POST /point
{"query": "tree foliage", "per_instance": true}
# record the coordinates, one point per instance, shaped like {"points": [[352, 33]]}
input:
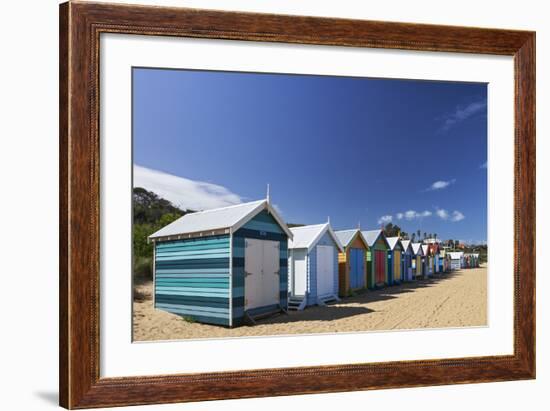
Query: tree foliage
{"points": [[393, 230], [150, 214]]}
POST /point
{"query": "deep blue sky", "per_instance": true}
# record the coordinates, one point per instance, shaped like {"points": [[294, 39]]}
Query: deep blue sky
{"points": [[356, 149]]}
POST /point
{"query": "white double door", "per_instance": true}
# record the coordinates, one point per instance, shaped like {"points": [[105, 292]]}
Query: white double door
{"points": [[261, 266]]}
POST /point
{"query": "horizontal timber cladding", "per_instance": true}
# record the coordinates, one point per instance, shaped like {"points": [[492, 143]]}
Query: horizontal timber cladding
{"points": [[263, 227], [192, 278]]}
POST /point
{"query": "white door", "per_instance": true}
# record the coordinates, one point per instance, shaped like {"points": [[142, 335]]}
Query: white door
{"points": [[299, 272], [253, 256], [261, 266], [325, 270]]}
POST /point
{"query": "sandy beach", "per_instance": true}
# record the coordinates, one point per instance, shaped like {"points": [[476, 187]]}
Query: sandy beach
{"points": [[457, 299]]}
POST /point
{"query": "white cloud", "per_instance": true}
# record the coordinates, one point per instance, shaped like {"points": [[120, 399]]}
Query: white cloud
{"points": [[385, 219], [414, 215], [457, 216], [411, 215], [182, 192], [445, 215], [462, 113], [440, 184]]}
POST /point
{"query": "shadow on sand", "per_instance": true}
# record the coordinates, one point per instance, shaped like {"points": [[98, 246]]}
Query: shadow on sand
{"points": [[355, 305]]}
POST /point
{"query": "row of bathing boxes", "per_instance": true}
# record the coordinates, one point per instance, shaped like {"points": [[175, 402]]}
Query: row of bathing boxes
{"points": [[233, 265]]}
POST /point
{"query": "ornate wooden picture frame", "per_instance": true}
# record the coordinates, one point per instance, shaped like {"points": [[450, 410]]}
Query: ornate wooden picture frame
{"points": [[80, 27]]}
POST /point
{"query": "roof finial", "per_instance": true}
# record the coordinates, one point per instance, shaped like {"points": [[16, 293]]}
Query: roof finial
{"points": [[268, 197], [359, 225], [328, 219]]}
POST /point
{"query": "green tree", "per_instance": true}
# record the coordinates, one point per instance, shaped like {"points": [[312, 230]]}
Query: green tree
{"points": [[151, 213], [392, 230]]}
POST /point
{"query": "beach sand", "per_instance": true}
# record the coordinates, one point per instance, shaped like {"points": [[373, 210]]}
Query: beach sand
{"points": [[457, 299]]}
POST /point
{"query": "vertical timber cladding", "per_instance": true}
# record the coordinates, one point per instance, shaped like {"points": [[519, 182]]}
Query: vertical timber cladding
{"points": [[396, 265], [323, 269], [370, 269], [381, 256], [380, 266], [262, 227], [192, 278], [357, 266]]}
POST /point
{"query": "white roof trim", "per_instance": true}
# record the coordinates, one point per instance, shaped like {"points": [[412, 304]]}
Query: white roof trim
{"points": [[183, 228], [330, 231], [264, 205], [350, 240], [418, 247], [456, 255], [333, 235], [325, 228], [370, 235], [395, 241], [405, 248]]}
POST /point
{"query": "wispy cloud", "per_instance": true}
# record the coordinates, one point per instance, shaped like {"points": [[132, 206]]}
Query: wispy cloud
{"points": [[461, 113], [440, 184], [183, 192], [455, 216], [441, 213], [413, 215], [385, 219]]}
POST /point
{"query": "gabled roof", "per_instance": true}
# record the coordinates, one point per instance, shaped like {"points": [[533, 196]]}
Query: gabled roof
{"points": [[425, 249], [393, 242], [372, 236], [208, 222], [346, 236], [405, 244], [456, 255], [417, 249], [308, 236]]}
